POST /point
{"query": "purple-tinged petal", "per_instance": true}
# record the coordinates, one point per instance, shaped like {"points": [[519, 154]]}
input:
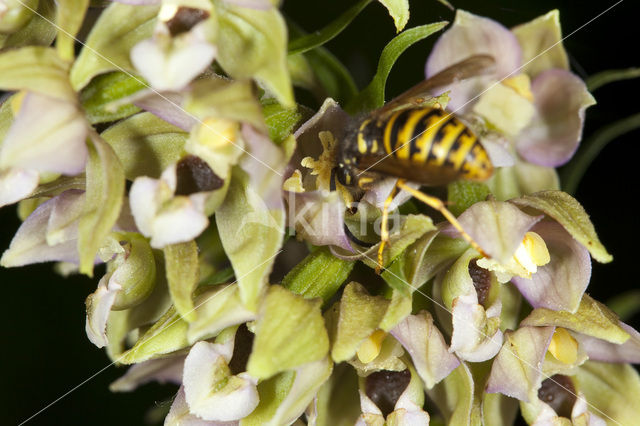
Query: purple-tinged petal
{"points": [[16, 184], [560, 284], [264, 175], [29, 245], [424, 342], [161, 370], [496, 226], [318, 217], [498, 151], [517, 370], [553, 136], [601, 350], [471, 35], [168, 106], [380, 191], [48, 135]]}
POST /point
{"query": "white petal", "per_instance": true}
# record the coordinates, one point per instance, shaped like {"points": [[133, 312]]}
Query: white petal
{"points": [[142, 199], [48, 135], [16, 184], [182, 221], [98, 308], [179, 415], [161, 370]]}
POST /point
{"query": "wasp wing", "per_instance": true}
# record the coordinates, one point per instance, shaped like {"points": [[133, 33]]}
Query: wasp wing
{"points": [[473, 66]]}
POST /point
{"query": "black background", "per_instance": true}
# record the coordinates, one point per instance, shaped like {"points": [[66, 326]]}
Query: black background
{"points": [[45, 352]]}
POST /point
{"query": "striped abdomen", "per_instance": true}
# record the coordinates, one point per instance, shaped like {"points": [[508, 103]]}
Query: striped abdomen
{"points": [[437, 145]]}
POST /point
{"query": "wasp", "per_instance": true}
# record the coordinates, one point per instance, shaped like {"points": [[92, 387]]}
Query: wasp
{"points": [[415, 143]]}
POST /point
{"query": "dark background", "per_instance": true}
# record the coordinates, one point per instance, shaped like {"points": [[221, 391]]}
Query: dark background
{"points": [[45, 352]]}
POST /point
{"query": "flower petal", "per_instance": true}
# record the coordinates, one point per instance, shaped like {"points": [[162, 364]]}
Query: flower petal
{"points": [[162, 370], [179, 414], [211, 391], [472, 35], [48, 135], [552, 137], [167, 106], [517, 369], [560, 284], [601, 350], [98, 308], [16, 184], [424, 342]]}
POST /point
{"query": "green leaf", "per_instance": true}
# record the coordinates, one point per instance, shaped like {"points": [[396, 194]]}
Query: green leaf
{"points": [[103, 91], [181, 262], [289, 333], [146, 144], [592, 318], [119, 28], [603, 78], [40, 31], [318, 38], [167, 335], [224, 99], [625, 305], [335, 79], [69, 17], [253, 43], [399, 11], [36, 69], [372, 96], [568, 212], [136, 272], [320, 274], [360, 315], [280, 120], [573, 172], [463, 194], [251, 236], [612, 391], [105, 189]]}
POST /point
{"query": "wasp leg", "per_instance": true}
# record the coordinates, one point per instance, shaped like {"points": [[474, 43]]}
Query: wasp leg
{"points": [[384, 226], [437, 204]]}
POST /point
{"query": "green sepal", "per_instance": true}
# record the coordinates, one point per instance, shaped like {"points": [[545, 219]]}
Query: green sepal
{"points": [[36, 69], [290, 332], [320, 274], [454, 396], [296, 391], [220, 98], [69, 18], [372, 96], [15, 15], [216, 309], [105, 187], [136, 271], [463, 194], [146, 144], [105, 89], [360, 315], [318, 38], [119, 28], [251, 236], [612, 391], [337, 402], [6, 117], [498, 409], [39, 31], [280, 120], [181, 263], [168, 334], [592, 318], [399, 11], [568, 212], [253, 44]]}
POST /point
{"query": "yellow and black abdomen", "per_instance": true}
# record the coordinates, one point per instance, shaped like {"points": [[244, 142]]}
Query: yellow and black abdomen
{"points": [[425, 145]]}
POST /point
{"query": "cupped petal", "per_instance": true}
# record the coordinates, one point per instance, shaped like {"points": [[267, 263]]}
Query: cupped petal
{"points": [[167, 106], [161, 370], [517, 369], [429, 352], [212, 393], [471, 35], [560, 284], [554, 133], [48, 135], [497, 227], [143, 202], [183, 219], [16, 184], [601, 350], [99, 306], [179, 414]]}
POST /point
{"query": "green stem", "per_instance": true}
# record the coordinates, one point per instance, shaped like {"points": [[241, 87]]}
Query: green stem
{"points": [[573, 173], [626, 305], [605, 77]]}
